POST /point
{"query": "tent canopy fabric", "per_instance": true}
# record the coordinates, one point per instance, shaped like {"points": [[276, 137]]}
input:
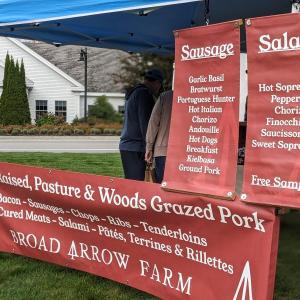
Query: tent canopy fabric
{"points": [[135, 26]]}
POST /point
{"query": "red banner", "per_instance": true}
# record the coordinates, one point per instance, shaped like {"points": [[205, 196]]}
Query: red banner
{"points": [[203, 142], [272, 166], [171, 245]]}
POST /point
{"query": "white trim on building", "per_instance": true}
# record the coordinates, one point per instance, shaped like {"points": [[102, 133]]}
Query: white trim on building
{"points": [[77, 85]]}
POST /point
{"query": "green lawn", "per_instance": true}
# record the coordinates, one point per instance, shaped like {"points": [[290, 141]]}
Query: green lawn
{"points": [[24, 278]]}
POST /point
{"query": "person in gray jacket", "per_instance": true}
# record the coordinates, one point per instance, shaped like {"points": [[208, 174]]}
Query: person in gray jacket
{"points": [[139, 103], [158, 134]]}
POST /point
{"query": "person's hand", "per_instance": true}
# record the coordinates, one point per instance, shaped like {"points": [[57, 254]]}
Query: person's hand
{"points": [[149, 156]]}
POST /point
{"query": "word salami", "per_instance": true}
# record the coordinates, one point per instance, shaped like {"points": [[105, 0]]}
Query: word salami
{"points": [[171, 245]]}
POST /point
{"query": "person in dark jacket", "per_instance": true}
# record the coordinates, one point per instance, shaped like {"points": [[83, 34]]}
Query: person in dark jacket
{"points": [[139, 103]]}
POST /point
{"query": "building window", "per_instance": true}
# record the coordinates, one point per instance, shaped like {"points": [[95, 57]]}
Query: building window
{"points": [[41, 108], [121, 109], [90, 107], [61, 109]]}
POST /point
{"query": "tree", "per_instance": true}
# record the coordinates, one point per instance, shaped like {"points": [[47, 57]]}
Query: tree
{"points": [[134, 66], [14, 106], [102, 109], [23, 92], [7, 63]]}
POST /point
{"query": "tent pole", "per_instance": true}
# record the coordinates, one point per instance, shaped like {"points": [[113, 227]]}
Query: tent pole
{"points": [[85, 86]]}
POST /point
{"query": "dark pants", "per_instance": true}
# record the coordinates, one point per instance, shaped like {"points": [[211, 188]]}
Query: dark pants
{"points": [[134, 164], [160, 162]]}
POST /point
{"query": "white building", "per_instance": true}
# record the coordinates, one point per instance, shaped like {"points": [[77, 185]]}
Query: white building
{"points": [[50, 89]]}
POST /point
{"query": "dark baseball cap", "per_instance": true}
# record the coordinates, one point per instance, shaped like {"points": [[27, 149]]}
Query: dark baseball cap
{"points": [[154, 74]]}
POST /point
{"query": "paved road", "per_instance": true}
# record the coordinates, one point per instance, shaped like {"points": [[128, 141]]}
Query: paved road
{"points": [[60, 144]]}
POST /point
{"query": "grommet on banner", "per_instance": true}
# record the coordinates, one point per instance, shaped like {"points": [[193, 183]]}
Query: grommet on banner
{"points": [[238, 23], [164, 184], [176, 34], [111, 179], [231, 195], [244, 196], [248, 22]]}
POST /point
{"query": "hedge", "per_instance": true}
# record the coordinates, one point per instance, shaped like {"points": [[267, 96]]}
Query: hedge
{"points": [[62, 130]]}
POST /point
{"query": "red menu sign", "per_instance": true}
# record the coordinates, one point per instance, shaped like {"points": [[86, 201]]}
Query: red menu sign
{"points": [[202, 149], [272, 166], [171, 245]]}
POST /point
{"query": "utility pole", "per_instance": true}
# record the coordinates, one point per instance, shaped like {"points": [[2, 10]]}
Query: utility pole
{"points": [[84, 57]]}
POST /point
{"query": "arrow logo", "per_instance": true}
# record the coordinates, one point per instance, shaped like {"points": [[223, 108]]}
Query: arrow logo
{"points": [[245, 281]]}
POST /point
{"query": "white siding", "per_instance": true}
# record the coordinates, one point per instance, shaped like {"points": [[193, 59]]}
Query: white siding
{"points": [[48, 84]]}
